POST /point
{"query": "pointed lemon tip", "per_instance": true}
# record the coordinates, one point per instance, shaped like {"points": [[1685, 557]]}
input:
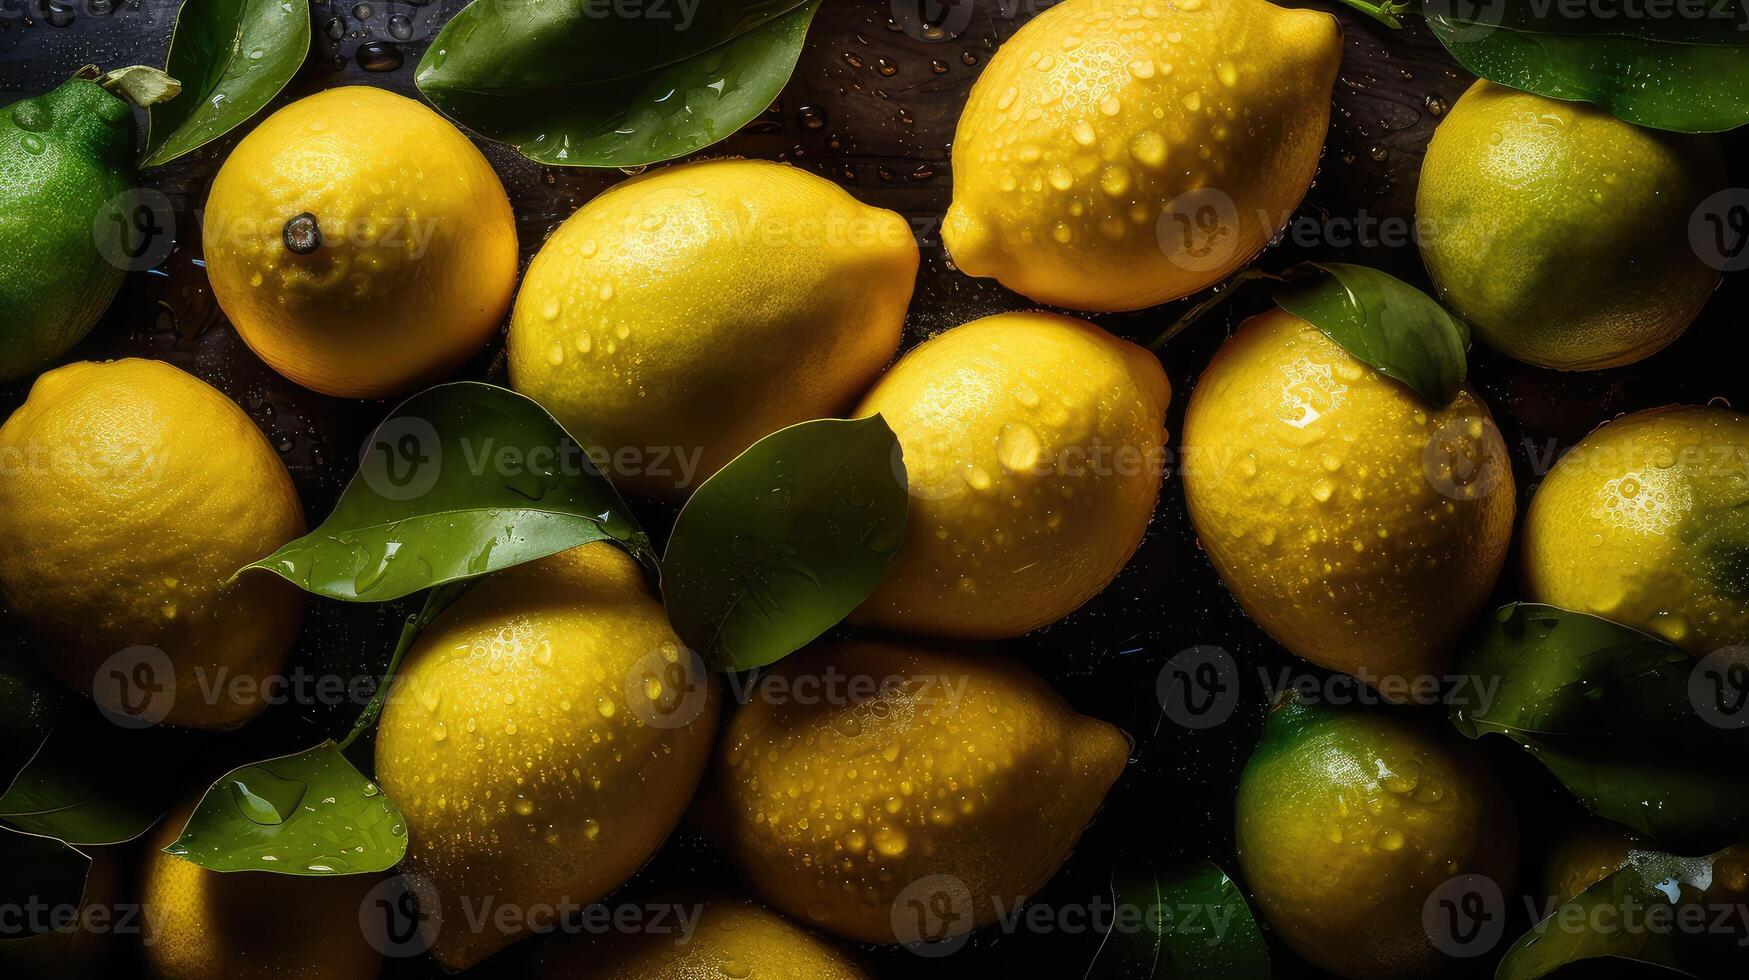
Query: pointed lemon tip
{"points": [[969, 242]]}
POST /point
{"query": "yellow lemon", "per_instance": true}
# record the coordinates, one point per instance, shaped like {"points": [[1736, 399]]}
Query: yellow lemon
{"points": [[543, 738], [249, 925], [1646, 523], [894, 794], [1349, 822], [725, 937], [1034, 446], [685, 314], [1559, 232], [130, 493], [1117, 154], [360, 244], [1360, 527]]}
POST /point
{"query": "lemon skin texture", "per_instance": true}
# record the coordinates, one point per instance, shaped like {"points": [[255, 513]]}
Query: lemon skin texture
{"points": [[130, 493], [417, 259], [1034, 448], [1559, 232], [541, 742], [732, 937], [687, 313], [1115, 154], [66, 156], [922, 763], [1348, 821], [249, 925], [1360, 527], [1646, 523]]}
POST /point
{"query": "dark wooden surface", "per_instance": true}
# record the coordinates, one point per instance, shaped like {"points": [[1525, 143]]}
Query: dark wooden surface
{"points": [[873, 105]]}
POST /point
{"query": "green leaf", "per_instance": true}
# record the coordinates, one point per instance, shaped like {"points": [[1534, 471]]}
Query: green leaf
{"points": [[28, 708], [92, 782], [231, 57], [781, 544], [1609, 711], [1683, 71], [461, 480], [1195, 926], [1386, 323], [306, 814], [40, 873], [1610, 919], [572, 83]]}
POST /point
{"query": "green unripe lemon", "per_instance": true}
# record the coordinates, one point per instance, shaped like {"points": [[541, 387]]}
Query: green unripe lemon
{"points": [[64, 159]]}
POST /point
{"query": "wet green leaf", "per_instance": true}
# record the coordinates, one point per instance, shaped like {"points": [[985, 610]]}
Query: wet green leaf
{"points": [[1195, 925], [94, 782], [305, 814], [1609, 711], [40, 873], [781, 544], [576, 84], [461, 480], [1616, 918], [1385, 323], [231, 57], [1687, 70]]}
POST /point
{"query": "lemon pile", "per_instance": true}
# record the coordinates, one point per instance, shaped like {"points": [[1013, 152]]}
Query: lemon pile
{"points": [[547, 733]]}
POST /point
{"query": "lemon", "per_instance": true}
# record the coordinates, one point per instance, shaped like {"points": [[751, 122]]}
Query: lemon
{"points": [[729, 937], [1348, 822], [864, 785], [1034, 448], [1360, 527], [685, 314], [1559, 232], [1117, 154], [543, 737], [1646, 523], [249, 925], [360, 244], [130, 493]]}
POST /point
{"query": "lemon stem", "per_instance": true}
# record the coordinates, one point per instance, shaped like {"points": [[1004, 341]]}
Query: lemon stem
{"points": [[303, 234], [1385, 13], [1216, 297], [139, 85]]}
